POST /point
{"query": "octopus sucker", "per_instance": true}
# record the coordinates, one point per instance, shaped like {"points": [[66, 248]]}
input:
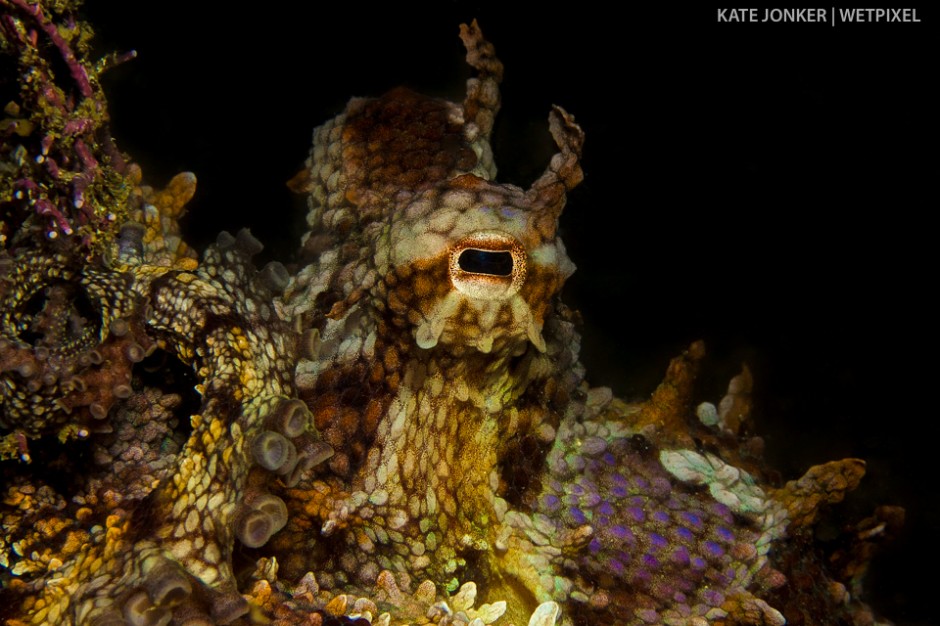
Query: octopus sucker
{"points": [[391, 428]]}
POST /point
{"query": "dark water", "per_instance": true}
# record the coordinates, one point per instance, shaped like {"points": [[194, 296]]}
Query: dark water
{"points": [[763, 187]]}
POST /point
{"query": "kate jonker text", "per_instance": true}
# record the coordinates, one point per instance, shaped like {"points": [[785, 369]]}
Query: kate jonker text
{"points": [[833, 16]]}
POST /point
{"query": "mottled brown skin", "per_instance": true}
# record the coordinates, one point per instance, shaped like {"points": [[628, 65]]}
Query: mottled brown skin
{"points": [[387, 164], [184, 525], [441, 388], [404, 419]]}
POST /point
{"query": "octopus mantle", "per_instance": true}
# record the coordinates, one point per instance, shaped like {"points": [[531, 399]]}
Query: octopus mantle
{"points": [[396, 429]]}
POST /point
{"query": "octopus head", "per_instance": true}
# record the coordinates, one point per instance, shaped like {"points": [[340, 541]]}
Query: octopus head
{"points": [[474, 265]]}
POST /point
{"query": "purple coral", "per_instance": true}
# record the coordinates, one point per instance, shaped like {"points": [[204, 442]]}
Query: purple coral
{"points": [[68, 172]]}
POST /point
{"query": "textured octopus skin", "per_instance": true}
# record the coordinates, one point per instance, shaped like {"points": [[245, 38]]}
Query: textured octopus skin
{"points": [[398, 429]]}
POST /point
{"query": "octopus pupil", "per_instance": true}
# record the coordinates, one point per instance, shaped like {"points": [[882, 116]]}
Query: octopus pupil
{"points": [[494, 263]]}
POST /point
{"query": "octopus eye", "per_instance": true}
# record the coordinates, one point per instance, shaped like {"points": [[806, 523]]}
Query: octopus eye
{"points": [[488, 265], [492, 262]]}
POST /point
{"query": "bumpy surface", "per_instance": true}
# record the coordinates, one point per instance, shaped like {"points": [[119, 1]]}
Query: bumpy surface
{"points": [[396, 431]]}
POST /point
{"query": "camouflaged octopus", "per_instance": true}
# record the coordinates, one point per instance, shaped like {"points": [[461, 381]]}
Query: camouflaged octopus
{"points": [[397, 432]]}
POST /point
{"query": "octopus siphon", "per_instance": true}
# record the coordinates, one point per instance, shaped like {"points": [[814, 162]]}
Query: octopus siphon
{"points": [[394, 428]]}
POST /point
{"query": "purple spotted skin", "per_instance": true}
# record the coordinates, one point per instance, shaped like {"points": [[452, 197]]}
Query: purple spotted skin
{"points": [[659, 547]]}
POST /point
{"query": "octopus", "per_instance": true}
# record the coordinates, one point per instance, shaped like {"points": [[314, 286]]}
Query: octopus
{"points": [[392, 429]]}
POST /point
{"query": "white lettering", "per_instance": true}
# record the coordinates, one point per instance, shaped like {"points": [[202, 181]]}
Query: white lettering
{"points": [[807, 15], [737, 15], [877, 16]]}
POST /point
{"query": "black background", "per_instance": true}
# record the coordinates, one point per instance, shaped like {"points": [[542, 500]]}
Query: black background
{"points": [[763, 187]]}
